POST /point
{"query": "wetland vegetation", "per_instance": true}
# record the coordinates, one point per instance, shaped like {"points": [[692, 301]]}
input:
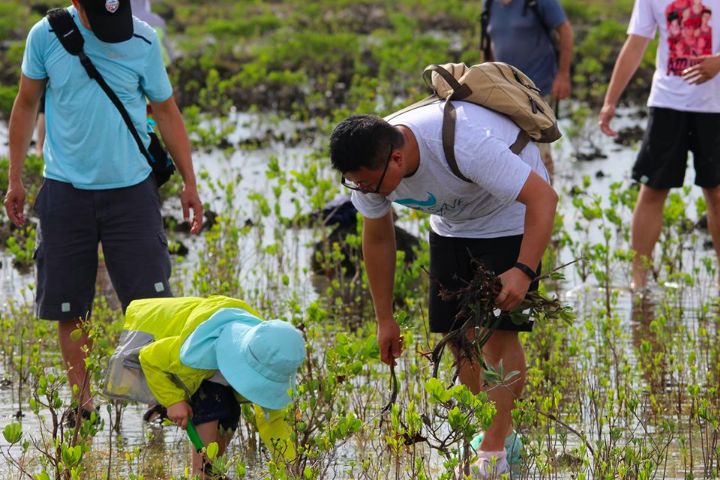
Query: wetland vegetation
{"points": [[629, 389]]}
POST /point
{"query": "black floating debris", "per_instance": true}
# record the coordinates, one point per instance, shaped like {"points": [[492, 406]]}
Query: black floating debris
{"points": [[177, 248], [630, 135], [575, 191], [593, 153], [172, 224]]}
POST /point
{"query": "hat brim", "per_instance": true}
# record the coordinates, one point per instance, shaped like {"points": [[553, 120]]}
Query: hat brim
{"points": [[112, 27], [257, 389]]}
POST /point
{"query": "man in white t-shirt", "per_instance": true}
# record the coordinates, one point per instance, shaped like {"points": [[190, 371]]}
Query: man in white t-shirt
{"points": [[684, 113], [503, 218]]}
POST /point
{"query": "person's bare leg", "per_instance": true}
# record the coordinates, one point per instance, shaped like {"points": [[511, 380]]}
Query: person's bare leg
{"points": [[506, 346], [74, 358], [712, 199], [224, 437], [646, 227], [208, 433]]}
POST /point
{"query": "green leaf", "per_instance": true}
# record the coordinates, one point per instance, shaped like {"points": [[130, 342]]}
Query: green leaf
{"points": [[212, 450], [71, 456], [12, 432], [76, 335]]}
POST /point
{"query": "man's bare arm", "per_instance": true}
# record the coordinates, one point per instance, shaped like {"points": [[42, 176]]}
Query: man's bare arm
{"points": [[172, 129], [22, 124]]}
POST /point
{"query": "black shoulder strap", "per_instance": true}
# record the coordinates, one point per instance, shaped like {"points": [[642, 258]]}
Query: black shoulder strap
{"points": [[448, 139], [535, 7], [67, 32], [485, 45], [70, 37]]}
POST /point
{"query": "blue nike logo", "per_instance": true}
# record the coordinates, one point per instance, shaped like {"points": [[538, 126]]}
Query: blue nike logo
{"points": [[411, 202]]}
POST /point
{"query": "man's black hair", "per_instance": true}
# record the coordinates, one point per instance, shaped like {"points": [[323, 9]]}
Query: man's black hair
{"points": [[362, 141]]}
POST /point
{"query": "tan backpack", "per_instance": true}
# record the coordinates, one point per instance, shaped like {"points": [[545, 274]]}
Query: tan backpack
{"points": [[493, 85]]}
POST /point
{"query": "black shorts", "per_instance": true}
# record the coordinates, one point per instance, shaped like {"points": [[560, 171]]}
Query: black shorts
{"points": [[215, 401], [126, 221], [670, 134], [450, 267]]}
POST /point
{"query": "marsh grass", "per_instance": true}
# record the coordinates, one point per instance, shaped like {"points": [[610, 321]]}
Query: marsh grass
{"points": [[628, 390]]}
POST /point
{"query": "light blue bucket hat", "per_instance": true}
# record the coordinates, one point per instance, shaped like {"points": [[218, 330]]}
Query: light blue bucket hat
{"points": [[261, 362], [259, 359]]}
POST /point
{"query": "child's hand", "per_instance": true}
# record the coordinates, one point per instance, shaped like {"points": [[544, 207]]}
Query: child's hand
{"points": [[179, 413]]}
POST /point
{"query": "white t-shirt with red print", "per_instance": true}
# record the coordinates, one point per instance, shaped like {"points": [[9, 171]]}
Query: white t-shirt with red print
{"points": [[689, 29]]}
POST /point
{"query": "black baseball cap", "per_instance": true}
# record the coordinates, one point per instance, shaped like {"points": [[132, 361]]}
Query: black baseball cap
{"points": [[111, 20]]}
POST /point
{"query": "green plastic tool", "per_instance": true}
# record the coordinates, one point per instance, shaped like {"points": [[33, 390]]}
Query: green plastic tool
{"points": [[194, 437]]}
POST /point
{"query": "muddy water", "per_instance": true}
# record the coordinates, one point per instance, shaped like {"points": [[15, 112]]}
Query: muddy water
{"points": [[249, 167]]}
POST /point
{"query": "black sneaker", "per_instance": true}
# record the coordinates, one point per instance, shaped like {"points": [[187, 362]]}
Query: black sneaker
{"points": [[155, 414], [71, 416]]}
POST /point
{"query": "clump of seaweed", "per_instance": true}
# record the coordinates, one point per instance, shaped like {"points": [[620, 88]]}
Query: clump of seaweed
{"points": [[478, 316]]}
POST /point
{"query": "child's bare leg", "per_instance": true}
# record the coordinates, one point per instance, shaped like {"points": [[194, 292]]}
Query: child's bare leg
{"points": [[224, 437], [208, 432]]}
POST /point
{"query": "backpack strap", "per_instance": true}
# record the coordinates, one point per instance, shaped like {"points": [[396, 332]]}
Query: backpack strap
{"points": [[72, 40], [485, 43], [535, 7], [425, 101], [520, 142], [460, 92], [448, 139]]}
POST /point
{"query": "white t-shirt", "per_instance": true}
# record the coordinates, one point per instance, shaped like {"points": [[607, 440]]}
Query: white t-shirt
{"points": [[686, 32], [486, 208]]}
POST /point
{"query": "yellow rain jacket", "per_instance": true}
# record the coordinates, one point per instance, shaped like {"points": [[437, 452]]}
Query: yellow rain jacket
{"points": [[146, 366]]}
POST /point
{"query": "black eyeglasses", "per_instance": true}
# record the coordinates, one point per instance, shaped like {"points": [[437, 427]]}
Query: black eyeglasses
{"points": [[360, 188]]}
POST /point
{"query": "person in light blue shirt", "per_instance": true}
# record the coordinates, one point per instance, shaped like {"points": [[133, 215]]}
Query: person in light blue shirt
{"points": [[81, 118], [536, 37], [98, 186]]}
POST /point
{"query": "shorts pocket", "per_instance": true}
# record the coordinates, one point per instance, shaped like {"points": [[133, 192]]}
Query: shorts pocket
{"points": [[37, 203], [36, 252], [163, 239]]}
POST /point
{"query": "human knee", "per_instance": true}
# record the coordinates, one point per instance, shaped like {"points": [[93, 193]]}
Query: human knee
{"points": [[502, 342], [652, 196], [712, 197]]}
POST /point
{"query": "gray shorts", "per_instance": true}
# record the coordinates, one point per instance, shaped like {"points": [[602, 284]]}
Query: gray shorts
{"points": [[73, 222]]}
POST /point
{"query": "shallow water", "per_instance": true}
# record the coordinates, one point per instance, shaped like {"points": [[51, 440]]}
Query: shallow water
{"points": [[249, 168]]}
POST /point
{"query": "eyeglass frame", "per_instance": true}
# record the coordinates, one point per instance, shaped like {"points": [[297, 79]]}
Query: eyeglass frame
{"points": [[357, 188]]}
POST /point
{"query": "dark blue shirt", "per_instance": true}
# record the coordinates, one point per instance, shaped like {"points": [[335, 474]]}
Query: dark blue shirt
{"points": [[521, 40]]}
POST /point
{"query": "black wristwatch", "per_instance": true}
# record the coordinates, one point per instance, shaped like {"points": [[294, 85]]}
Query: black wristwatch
{"points": [[526, 270]]}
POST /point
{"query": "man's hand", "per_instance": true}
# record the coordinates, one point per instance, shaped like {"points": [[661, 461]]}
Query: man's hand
{"points": [[561, 86], [606, 115], [390, 341], [15, 203], [179, 413], [515, 285], [190, 200], [707, 67]]}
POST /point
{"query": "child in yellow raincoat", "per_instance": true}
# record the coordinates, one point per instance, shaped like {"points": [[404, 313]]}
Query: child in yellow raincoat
{"points": [[200, 357]]}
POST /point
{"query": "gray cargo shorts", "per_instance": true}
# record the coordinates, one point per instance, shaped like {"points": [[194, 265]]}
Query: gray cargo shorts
{"points": [[128, 224]]}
